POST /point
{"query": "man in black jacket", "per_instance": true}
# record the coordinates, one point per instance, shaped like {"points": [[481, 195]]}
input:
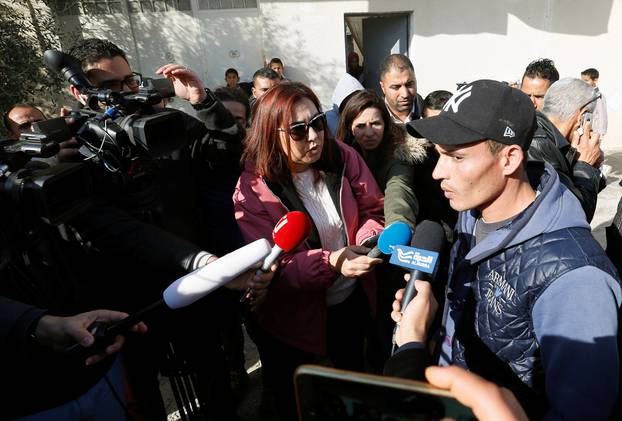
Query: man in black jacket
{"points": [[557, 141], [172, 209]]}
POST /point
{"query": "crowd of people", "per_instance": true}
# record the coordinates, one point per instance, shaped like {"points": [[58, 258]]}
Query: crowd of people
{"points": [[524, 298]]}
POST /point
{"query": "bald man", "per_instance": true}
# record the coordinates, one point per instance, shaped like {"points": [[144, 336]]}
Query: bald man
{"points": [[19, 119]]}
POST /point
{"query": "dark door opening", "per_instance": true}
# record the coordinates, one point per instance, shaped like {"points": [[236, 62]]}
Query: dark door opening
{"points": [[371, 37]]}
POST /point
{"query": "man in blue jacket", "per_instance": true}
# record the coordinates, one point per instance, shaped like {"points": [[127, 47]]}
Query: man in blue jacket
{"points": [[532, 301]]}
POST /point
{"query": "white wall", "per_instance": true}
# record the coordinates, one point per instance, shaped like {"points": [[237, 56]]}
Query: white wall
{"points": [[458, 41], [450, 41], [208, 42]]}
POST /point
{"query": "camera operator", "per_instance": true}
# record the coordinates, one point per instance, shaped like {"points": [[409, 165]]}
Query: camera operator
{"points": [[143, 255]]}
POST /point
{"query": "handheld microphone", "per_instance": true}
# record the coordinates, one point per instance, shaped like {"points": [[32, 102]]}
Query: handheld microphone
{"points": [[398, 233], [421, 258], [289, 232], [195, 285], [186, 290]]}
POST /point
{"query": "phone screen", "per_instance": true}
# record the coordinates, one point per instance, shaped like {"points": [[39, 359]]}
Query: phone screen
{"points": [[587, 118], [328, 394]]}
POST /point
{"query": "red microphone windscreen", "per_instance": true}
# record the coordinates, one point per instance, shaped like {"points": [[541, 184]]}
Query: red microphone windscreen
{"points": [[291, 230]]}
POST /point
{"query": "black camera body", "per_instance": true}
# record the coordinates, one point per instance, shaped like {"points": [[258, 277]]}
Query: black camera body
{"points": [[53, 193], [131, 129]]}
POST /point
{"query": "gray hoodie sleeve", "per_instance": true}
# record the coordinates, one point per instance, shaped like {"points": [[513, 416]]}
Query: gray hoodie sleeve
{"points": [[576, 323]]}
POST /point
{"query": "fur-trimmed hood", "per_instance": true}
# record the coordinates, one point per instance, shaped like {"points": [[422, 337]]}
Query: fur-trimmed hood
{"points": [[412, 150]]}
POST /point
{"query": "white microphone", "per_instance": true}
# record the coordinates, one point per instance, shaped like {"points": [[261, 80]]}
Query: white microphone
{"points": [[193, 286], [186, 290]]}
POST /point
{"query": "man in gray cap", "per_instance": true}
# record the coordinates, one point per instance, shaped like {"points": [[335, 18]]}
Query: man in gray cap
{"points": [[532, 301]]}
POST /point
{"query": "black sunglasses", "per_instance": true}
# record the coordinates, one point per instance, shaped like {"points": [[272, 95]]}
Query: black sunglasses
{"points": [[300, 131]]}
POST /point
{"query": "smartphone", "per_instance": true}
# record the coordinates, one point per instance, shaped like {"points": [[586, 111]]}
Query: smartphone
{"points": [[324, 394], [587, 118]]}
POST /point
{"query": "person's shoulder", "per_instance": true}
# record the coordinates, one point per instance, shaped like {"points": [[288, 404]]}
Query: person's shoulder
{"points": [[347, 152]]}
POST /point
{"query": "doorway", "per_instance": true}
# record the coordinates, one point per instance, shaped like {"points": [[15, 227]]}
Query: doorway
{"points": [[370, 38]]}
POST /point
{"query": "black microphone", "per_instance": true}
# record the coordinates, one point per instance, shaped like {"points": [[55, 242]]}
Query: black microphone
{"points": [[421, 258]]}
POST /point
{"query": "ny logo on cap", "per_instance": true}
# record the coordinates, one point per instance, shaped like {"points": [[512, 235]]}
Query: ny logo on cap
{"points": [[455, 101]]}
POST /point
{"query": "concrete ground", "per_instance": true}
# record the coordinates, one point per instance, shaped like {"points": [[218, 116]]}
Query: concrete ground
{"points": [[605, 210], [249, 406]]}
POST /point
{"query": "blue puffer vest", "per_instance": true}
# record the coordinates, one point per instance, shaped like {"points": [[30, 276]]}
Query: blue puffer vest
{"points": [[495, 331]]}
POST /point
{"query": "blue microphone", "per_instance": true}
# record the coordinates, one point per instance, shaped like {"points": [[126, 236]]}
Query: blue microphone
{"points": [[398, 233]]}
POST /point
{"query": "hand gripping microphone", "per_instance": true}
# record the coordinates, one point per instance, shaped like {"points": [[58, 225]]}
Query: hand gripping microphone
{"points": [[195, 285], [398, 233], [186, 290], [421, 257], [291, 230]]}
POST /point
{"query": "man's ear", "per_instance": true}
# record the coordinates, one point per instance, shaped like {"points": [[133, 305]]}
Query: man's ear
{"points": [[77, 95], [576, 122], [512, 158], [253, 91], [382, 87]]}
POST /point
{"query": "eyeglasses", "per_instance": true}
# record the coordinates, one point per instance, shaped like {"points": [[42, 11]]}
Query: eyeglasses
{"points": [[591, 100], [133, 81], [300, 131]]}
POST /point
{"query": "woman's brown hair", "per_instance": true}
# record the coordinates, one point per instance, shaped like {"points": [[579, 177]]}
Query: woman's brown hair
{"points": [[358, 103], [262, 146]]}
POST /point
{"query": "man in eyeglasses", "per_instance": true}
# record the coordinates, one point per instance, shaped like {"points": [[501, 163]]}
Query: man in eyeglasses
{"points": [[19, 119], [106, 67], [558, 141], [175, 192]]}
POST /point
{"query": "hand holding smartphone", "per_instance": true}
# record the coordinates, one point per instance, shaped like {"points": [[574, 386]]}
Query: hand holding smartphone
{"points": [[586, 124], [329, 394]]}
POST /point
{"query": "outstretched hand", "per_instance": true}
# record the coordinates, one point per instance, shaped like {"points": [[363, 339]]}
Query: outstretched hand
{"points": [[352, 261], [186, 83], [58, 333]]}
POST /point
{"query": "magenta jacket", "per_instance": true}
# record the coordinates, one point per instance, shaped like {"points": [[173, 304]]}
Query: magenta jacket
{"points": [[295, 308]]}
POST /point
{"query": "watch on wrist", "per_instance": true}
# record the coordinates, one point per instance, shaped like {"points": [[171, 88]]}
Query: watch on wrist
{"points": [[209, 100]]}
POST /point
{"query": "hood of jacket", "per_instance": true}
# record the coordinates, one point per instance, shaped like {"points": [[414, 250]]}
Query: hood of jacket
{"points": [[412, 150], [554, 208]]}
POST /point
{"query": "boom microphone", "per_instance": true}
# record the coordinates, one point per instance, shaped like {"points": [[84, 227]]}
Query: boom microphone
{"points": [[421, 257], [398, 233], [291, 230]]}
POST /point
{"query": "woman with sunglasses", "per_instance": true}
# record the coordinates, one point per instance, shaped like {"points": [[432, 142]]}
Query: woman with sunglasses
{"points": [[319, 301]]}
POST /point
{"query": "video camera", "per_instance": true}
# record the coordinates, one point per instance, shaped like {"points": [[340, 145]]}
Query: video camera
{"points": [[54, 193], [131, 131]]}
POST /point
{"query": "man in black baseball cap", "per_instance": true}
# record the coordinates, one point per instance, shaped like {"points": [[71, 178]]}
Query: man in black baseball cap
{"points": [[532, 299], [484, 109]]}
